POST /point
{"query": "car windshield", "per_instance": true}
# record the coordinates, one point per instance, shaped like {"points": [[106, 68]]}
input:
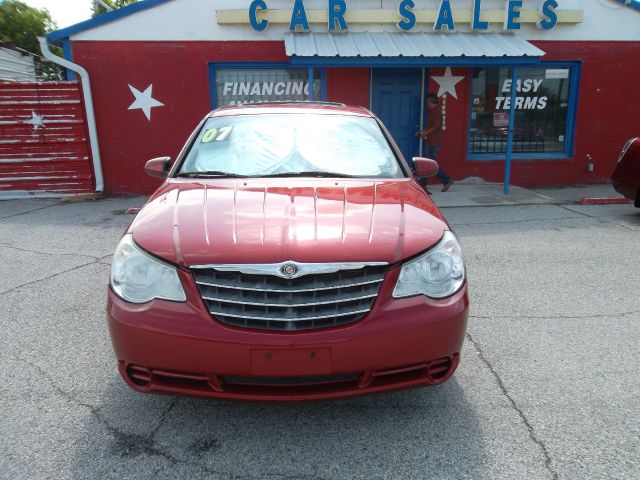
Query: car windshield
{"points": [[294, 144]]}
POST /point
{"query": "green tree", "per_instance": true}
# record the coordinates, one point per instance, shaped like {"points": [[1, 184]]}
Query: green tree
{"points": [[21, 24], [97, 9]]}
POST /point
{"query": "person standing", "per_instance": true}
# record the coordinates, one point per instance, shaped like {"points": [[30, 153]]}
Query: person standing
{"points": [[433, 136]]}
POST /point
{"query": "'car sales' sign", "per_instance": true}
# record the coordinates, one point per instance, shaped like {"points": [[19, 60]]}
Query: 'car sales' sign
{"points": [[337, 15]]}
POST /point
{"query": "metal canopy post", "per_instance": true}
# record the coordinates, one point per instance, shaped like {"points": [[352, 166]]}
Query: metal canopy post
{"points": [[512, 121], [311, 83]]}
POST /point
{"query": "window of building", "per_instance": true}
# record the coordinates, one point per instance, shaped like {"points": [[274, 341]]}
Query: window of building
{"points": [[234, 86], [543, 112]]}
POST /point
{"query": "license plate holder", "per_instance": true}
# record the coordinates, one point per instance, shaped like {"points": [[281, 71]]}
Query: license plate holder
{"points": [[285, 362]]}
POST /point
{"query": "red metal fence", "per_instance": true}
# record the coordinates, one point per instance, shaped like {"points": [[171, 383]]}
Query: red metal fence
{"points": [[44, 148]]}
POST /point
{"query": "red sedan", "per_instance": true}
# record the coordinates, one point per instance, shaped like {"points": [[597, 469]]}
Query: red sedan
{"points": [[289, 255], [626, 176]]}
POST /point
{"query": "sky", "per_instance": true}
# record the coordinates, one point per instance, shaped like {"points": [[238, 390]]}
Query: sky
{"points": [[64, 12]]}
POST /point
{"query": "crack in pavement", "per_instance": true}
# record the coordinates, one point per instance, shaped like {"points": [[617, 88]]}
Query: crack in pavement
{"points": [[33, 282], [34, 210], [132, 445], [125, 441], [517, 221], [558, 317], [164, 417], [51, 254], [601, 219], [532, 435]]}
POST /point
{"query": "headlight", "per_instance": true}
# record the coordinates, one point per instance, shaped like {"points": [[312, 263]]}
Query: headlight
{"points": [[138, 278], [439, 273]]}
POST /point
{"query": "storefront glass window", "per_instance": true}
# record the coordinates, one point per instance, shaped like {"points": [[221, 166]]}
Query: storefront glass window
{"points": [[541, 110], [236, 86]]}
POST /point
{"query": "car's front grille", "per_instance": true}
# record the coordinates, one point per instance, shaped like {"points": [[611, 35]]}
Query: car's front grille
{"points": [[274, 303]]}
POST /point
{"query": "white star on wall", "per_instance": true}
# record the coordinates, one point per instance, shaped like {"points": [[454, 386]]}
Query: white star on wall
{"points": [[144, 101], [448, 83], [36, 121]]}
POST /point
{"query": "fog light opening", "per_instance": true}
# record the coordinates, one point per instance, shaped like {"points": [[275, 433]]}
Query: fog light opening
{"points": [[139, 376], [441, 369]]}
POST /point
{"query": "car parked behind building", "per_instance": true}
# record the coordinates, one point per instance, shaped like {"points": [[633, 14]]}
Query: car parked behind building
{"points": [[626, 176]]}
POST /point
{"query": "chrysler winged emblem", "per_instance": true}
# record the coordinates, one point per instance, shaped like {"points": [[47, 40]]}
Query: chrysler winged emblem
{"points": [[289, 270]]}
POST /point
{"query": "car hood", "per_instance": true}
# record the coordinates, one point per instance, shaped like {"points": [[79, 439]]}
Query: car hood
{"points": [[270, 221]]}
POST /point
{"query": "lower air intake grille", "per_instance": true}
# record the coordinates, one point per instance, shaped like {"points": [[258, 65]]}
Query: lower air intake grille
{"points": [[273, 303]]}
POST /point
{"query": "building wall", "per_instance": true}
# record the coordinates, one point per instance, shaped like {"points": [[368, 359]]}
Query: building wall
{"points": [[608, 114], [179, 75], [607, 111], [196, 20], [349, 85]]}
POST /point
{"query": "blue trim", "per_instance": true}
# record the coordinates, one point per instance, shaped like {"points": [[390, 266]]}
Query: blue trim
{"points": [[574, 90], [68, 55], [517, 156], [102, 19], [251, 64], [212, 86], [634, 4], [323, 84], [413, 61], [572, 110], [512, 123], [311, 83]]}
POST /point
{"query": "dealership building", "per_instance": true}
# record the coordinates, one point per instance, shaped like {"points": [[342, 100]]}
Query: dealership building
{"points": [[158, 66]]}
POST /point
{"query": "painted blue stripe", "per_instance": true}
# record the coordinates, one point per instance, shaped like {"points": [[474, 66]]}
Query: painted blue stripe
{"points": [[572, 113], [323, 84], [512, 123], [311, 82], [102, 19], [499, 157], [412, 61], [68, 55], [212, 86], [635, 4]]}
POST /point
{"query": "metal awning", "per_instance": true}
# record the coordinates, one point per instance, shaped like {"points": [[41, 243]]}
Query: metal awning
{"points": [[396, 48]]}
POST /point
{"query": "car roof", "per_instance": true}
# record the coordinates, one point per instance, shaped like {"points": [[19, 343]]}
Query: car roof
{"points": [[322, 108]]}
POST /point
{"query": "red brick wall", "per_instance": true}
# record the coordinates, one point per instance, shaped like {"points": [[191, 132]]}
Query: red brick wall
{"points": [[179, 72], [608, 106], [453, 147], [608, 114], [349, 85]]}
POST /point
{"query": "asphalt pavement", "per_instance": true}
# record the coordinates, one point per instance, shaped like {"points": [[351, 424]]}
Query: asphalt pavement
{"points": [[548, 386]]}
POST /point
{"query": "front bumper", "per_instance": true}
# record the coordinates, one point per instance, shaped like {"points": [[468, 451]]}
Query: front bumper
{"points": [[178, 348]]}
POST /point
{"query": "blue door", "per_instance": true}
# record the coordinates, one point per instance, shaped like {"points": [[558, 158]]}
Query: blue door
{"points": [[396, 100]]}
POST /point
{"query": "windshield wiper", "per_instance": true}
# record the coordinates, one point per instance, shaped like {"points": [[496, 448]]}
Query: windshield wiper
{"points": [[318, 174], [210, 174]]}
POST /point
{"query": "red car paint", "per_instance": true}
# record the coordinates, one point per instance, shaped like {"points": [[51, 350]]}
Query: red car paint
{"points": [[309, 220], [626, 176], [174, 347]]}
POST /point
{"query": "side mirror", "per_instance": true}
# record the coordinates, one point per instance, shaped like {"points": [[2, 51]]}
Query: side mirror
{"points": [[158, 167], [425, 167]]}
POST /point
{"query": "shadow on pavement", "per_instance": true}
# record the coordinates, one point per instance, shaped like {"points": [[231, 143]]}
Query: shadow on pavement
{"points": [[416, 432]]}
